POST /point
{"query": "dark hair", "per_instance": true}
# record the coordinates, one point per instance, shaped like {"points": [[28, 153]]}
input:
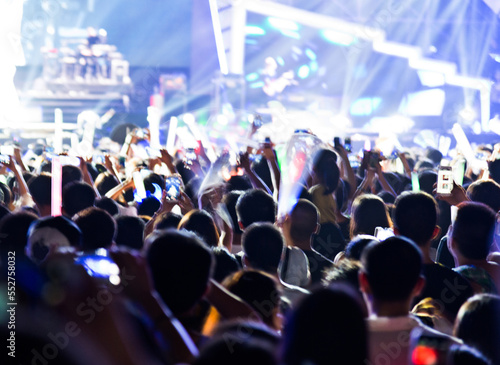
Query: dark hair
{"points": [[434, 155], [259, 290], [473, 230], [77, 196], [368, 212], [129, 231], [38, 250], [326, 169], [486, 192], [148, 206], [392, 268], [239, 183], [181, 266], [345, 272], [107, 204], [263, 245], [151, 179], [225, 263], [105, 182], [304, 219], [14, 232], [70, 174], [415, 216], [494, 170], [40, 188], [426, 180], [478, 325], [327, 327], [167, 220], [98, 228], [229, 201], [256, 206], [201, 223], [355, 248]]}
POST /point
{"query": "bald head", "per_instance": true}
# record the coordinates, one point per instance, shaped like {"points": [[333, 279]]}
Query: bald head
{"points": [[304, 219]]}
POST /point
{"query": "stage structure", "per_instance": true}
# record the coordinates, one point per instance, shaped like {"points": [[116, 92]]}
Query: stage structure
{"points": [[229, 19]]}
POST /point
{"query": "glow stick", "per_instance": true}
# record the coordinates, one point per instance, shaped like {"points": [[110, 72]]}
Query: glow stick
{"points": [[58, 131], [172, 127], [139, 185], [199, 136], [154, 117], [89, 120], [56, 189]]}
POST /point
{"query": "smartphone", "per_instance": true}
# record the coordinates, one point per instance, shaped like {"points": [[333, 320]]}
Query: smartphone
{"points": [[427, 348], [190, 154], [347, 144], [374, 159], [445, 180], [4, 159], [257, 121], [173, 187], [140, 133], [99, 265], [267, 142], [383, 233], [336, 142]]}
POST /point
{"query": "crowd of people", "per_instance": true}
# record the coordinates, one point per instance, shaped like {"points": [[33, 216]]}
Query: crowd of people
{"points": [[177, 258]]}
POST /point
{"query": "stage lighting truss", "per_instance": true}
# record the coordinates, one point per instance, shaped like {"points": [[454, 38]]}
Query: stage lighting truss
{"points": [[229, 23]]}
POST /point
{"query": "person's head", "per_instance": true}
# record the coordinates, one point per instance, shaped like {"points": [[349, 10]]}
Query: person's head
{"points": [[152, 179], [70, 174], [426, 180], [262, 244], [355, 247], [105, 182], [368, 212], [255, 206], [40, 188], [415, 216], [167, 220], [148, 206], [326, 327], [473, 230], [48, 234], [494, 170], [14, 232], [434, 155], [77, 196], [129, 231], [225, 263], [241, 183], [107, 204], [201, 223], [229, 201], [302, 222], [391, 270], [98, 228], [478, 325], [181, 266], [486, 192], [326, 170], [260, 291]]}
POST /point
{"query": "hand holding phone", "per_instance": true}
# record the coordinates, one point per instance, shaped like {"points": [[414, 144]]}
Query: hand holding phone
{"points": [[173, 187], [445, 180]]}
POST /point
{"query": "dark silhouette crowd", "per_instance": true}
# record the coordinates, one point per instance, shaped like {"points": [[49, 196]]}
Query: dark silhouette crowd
{"points": [[175, 259]]}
